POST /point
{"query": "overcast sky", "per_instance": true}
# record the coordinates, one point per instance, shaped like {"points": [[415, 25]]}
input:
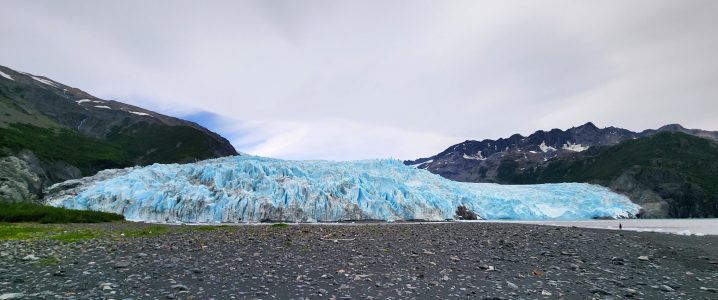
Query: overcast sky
{"points": [[369, 79]]}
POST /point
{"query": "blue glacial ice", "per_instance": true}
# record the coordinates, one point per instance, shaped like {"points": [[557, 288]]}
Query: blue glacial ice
{"points": [[252, 189]]}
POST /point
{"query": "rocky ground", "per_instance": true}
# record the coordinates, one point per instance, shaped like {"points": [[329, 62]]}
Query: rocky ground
{"points": [[380, 261]]}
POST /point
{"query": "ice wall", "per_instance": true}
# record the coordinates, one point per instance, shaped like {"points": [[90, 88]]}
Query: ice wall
{"points": [[251, 189]]}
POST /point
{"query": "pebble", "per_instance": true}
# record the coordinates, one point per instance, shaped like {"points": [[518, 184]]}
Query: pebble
{"points": [[376, 261], [30, 257], [666, 288], [121, 264], [597, 290], [11, 296]]}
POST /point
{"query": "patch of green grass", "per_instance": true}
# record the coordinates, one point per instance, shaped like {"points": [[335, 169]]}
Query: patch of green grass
{"points": [[21, 232], [31, 212], [208, 227], [151, 231], [122, 147], [280, 225], [71, 237], [49, 261]]}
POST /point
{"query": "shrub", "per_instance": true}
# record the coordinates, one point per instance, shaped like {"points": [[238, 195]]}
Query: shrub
{"points": [[31, 212]]}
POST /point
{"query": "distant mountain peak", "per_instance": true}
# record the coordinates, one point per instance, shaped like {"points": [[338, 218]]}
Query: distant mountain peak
{"points": [[672, 127], [458, 161], [588, 125]]}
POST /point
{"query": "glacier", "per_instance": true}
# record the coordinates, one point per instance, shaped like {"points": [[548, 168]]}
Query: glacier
{"points": [[253, 189]]}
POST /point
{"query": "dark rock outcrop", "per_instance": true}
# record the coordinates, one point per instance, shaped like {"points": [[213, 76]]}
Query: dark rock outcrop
{"points": [[24, 176], [463, 213]]}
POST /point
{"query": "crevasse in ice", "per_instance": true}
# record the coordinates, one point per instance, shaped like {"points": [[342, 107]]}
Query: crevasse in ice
{"points": [[251, 189]]}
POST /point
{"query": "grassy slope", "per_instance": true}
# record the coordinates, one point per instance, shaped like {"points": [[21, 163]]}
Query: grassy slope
{"points": [[153, 143], [687, 157], [88, 154], [140, 144], [23, 125], [30, 212]]}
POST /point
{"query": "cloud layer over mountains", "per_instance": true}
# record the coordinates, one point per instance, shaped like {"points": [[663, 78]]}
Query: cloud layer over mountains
{"points": [[362, 79]]}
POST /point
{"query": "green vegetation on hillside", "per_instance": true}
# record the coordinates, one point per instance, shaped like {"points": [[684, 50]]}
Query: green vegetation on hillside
{"points": [[678, 166], [691, 158], [31, 212], [154, 143], [51, 133], [139, 144], [88, 154], [11, 112]]}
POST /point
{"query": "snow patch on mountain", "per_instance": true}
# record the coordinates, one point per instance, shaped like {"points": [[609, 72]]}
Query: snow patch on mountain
{"points": [[478, 156], [545, 148], [3, 74], [421, 163], [103, 106], [574, 147], [252, 189], [83, 101], [46, 81], [139, 113]]}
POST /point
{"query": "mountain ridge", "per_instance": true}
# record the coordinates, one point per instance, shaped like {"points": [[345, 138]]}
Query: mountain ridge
{"points": [[50, 131], [537, 147], [520, 160], [97, 127]]}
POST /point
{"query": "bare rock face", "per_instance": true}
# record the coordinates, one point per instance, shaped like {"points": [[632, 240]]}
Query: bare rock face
{"points": [[24, 176], [652, 205], [18, 179]]}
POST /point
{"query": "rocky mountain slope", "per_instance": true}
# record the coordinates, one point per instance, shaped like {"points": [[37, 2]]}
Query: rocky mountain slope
{"points": [[520, 160], [51, 132]]}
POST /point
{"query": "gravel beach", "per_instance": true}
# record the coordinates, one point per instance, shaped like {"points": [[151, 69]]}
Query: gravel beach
{"points": [[367, 261]]}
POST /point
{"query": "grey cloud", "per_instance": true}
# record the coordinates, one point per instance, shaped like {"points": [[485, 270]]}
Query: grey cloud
{"points": [[360, 79]]}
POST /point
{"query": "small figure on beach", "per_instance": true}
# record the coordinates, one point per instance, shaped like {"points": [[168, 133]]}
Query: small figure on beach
{"points": [[620, 226]]}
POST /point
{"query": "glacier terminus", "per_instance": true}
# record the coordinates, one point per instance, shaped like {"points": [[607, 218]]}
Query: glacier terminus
{"points": [[253, 189]]}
